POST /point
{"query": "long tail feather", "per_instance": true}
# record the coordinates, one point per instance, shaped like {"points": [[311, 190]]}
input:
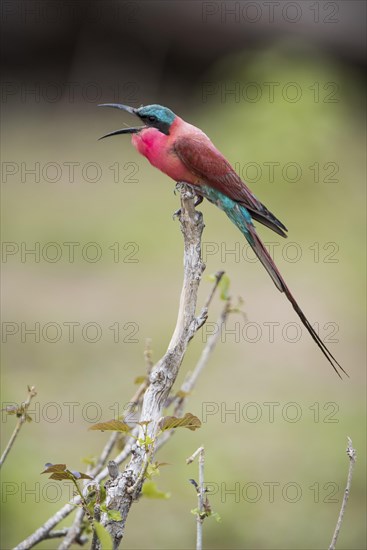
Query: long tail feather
{"points": [[240, 216], [273, 271]]}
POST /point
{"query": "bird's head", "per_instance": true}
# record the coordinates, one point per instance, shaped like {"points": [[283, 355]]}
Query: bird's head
{"points": [[152, 116]]}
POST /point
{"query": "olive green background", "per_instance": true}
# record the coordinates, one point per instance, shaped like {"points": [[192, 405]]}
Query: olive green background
{"points": [[299, 451]]}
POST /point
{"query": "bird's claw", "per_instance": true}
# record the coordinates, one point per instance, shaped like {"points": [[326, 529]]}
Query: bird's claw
{"points": [[178, 186], [199, 199]]}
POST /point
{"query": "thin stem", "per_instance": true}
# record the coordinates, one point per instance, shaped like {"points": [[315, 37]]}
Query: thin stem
{"points": [[352, 454], [200, 489], [24, 407]]}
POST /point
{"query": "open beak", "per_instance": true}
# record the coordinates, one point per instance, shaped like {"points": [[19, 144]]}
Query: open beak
{"points": [[131, 110]]}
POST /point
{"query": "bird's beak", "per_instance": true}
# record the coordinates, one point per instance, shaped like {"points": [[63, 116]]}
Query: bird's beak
{"points": [[131, 110]]}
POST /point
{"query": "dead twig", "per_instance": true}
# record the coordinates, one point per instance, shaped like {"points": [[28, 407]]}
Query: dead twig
{"points": [[352, 454]]}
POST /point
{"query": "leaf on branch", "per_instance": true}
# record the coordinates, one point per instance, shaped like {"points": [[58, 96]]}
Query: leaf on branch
{"points": [[188, 421], [18, 411], [153, 469], [90, 460], [140, 379], [150, 490], [206, 514], [92, 493], [79, 475], [103, 535], [114, 515], [111, 425], [60, 472], [223, 285], [53, 468], [145, 440]]}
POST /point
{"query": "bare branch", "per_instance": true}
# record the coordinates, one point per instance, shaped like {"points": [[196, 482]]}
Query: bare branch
{"points": [[74, 531], [190, 382], [63, 532], [200, 490], [164, 373], [218, 278], [352, 454], [22, 411]]}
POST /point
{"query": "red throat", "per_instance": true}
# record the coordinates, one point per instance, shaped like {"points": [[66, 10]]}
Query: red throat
{"points": [[158, 149]]}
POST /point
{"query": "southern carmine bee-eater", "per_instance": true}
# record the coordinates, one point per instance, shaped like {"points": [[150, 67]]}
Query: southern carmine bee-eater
{"points": [[186, 154]]}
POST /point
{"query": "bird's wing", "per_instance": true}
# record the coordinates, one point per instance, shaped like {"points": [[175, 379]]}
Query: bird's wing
{"points": [[202, 158]]}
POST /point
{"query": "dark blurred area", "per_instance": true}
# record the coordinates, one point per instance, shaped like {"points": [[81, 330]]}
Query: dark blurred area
{"points": [[152, 49], [279, 86]]}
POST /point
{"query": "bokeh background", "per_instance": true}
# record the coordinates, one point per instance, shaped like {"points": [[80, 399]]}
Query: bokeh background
{"points": [[279, 88]]}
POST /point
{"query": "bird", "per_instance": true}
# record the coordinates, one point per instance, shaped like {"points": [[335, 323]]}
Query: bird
{"points": [[186, 154]]}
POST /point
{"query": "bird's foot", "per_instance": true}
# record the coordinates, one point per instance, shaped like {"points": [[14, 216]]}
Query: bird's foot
{"points": [[179, 185], [199, 199]]}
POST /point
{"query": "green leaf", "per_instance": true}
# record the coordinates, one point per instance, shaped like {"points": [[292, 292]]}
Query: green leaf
{"points": [[111, 425], [224, 285], [90, 460], [152, 470], [214, 515], [102, 492], [217, 517], [145, 442], [150, 490], [115, 515], [140, 379], [18, 411], [104, 537], [188, 421]]}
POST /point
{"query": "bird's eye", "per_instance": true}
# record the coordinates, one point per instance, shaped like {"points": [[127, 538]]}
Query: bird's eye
{"points": [[152, 118]]}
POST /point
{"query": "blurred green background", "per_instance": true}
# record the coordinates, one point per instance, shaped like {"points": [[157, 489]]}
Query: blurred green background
{"points": [[311, 130]]}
